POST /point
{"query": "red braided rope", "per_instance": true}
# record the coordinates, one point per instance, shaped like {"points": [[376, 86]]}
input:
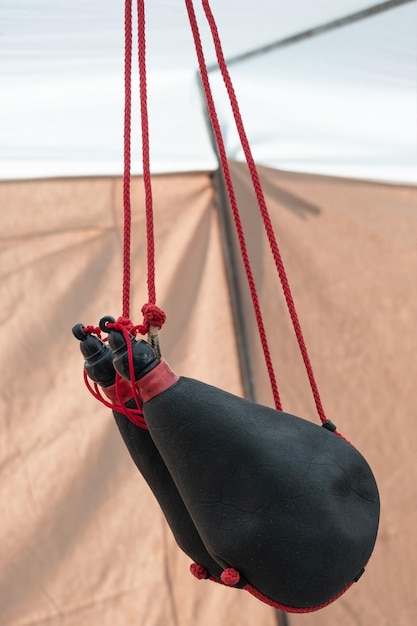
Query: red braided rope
{"points": [[127, 213], [146, 153], [262, 204], [263, 208], [153, 316], [233, 202], [150, 310]]}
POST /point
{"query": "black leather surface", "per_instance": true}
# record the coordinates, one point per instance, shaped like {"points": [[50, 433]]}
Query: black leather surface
{"points": [[289, 504], [149, 462]]}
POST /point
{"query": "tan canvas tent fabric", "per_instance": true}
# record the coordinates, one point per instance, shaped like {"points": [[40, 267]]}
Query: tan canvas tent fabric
{"points": [[83, 541], [350, 250]]}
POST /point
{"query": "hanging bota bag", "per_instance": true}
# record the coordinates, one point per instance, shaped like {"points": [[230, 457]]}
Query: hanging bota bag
{"points": [[98, 366], [288, 509]]}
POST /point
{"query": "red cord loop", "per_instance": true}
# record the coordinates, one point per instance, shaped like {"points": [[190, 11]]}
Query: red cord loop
{"points": [[124, 325], [92, 330], [134, 415]]}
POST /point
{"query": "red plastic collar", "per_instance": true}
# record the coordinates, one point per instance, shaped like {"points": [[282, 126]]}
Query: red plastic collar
{"points": [[156, 381]]}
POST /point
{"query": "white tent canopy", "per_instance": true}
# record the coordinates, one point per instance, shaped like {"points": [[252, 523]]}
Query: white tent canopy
{"points": [[341, 103]]}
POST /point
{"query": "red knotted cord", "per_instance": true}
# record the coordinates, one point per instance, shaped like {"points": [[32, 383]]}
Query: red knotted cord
{"points": [[135, 415], [254, 176], [153, 316]]}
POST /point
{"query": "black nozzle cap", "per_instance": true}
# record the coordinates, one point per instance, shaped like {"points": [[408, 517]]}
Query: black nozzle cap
{"points": [[98, 362], [144, 357], [116, 338]]}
